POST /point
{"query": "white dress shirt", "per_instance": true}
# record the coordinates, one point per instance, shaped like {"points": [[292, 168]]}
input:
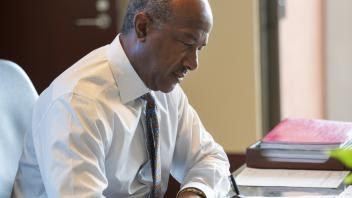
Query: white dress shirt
{"points": [[87, 137]]}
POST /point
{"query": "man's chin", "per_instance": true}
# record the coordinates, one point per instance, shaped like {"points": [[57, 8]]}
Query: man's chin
{"points": [[167, 89]]}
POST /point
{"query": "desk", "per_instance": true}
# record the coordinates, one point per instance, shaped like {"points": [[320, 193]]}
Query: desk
{"points": [[285, 191]]}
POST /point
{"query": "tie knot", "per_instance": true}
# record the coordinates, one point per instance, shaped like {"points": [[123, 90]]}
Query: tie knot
{"points": [[149, 98]]}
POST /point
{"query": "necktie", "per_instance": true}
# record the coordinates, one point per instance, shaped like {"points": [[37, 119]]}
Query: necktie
{"points": [[152, 136]]}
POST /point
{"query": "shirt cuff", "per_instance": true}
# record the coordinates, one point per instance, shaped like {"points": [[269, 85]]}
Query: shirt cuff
{"points": [[206, 189]]}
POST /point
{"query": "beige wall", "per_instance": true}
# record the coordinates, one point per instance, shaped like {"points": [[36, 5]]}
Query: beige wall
{"points": [[121, 10], [225, 88], [338, 57], [301, 60]]}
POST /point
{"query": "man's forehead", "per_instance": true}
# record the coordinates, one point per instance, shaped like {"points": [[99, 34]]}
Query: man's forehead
{"points": [[200, 8], [192, 14], [191, 29], [188, 2], [200, 37], [195, 35], [189, 35]]}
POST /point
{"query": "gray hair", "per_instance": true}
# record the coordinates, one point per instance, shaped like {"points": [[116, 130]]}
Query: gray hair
{"points": [[159, 10]]}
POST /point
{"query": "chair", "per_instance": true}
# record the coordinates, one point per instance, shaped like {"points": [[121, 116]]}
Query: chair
{"points": [[17, 97]]}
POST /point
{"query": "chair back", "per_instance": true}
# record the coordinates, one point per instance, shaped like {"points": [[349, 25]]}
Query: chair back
{"points": [[17, 98]]}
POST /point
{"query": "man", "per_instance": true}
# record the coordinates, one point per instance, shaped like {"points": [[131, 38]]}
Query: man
{"points": [[117, 123]]}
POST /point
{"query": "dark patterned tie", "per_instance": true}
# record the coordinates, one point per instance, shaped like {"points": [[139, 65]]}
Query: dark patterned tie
{"points": [[152, 135]]}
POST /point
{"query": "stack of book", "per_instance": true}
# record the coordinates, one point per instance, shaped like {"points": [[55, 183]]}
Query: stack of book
{"points": [[301, 144]]}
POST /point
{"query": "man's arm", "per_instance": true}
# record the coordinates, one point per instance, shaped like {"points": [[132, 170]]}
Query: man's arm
{"points": [[199, 161], [70, 144]]}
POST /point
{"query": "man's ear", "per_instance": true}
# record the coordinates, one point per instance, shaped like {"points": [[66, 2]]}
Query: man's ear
{"points": [[142, 25]]}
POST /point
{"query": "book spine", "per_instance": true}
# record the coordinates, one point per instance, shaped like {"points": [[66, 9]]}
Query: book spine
{"points": [[255, 159]]}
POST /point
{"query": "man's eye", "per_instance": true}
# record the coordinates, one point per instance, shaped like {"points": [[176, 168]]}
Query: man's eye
{"points": [[187, 44]]}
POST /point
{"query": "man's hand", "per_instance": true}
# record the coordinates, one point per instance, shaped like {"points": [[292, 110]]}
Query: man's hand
{"points": [[188, 195]]}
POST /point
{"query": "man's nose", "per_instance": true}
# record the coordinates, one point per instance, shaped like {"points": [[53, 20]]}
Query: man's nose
{"points": [[191, 60]]}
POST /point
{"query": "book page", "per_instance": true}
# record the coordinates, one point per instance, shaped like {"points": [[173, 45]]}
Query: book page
{"points": [[290, 178]]}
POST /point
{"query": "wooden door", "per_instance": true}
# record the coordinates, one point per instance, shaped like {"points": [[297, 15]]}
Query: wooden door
{"points": [[45, 37]]}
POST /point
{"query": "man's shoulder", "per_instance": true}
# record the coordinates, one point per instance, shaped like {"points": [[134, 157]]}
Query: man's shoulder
{"points": [[88, 77]]}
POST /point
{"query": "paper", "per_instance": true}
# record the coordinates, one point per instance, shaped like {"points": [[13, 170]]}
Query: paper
{"points": [[347, 193], [318, 196], [290, 178]]}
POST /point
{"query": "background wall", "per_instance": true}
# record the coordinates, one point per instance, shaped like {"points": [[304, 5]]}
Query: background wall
{"points": [[338, 40], [225, 89], [301, 59]]}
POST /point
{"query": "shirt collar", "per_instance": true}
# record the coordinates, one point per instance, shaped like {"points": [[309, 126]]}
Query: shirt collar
{"points": [[130, 84]]}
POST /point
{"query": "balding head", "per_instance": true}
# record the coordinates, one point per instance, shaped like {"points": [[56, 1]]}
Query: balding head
{"points": [[162, 39], [160, 10]]}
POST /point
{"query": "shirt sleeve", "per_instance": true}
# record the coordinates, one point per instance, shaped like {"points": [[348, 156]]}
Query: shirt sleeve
{"points": [[70, 144], [198, 160]]}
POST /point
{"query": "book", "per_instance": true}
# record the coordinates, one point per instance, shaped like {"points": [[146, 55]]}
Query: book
{"points": [[308, 134], [295, 153], [257, 157], [301, 144]]}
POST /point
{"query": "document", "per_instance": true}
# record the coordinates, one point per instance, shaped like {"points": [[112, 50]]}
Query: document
{"points": [[322, 196], [290, 178], [347, 193]]}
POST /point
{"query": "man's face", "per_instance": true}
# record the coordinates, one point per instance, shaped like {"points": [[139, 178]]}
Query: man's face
{"points": [[172, 49]]}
